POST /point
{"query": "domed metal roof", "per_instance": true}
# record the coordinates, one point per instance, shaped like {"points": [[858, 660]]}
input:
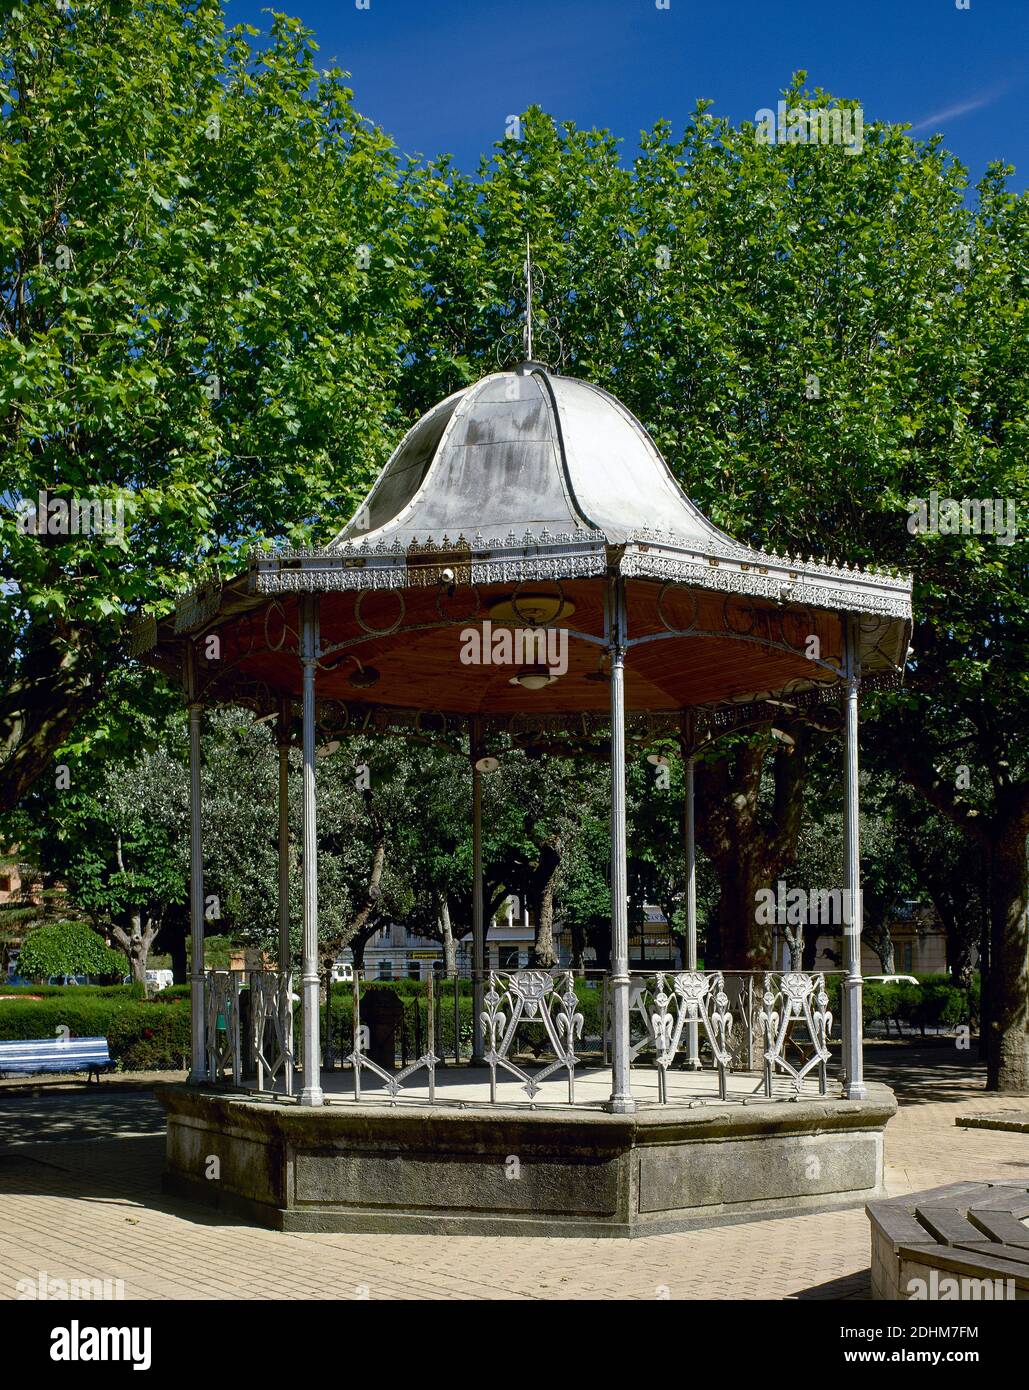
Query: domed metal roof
{"points": [[527, 476], [526, 449], [528, 481]]}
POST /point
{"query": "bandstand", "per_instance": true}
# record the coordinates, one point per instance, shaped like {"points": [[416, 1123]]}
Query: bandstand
{"points": [[536, 503]]}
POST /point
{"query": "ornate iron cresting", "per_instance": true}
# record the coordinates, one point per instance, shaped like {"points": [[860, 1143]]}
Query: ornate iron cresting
{"points": [[794, 998], [271, 1022], [223, 1050], [531, 997], [692, 996]]}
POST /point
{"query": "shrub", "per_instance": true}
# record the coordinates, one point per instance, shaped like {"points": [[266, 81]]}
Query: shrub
{"points": [[67, 948], [69, 991], [142, 1035], [171, 993]]}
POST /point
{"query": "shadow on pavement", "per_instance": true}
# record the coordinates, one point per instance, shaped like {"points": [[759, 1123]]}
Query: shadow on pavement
{"points": [[933, 1073]]}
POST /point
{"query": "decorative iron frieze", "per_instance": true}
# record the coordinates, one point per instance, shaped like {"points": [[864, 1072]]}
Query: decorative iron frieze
{"points": [[271, 1024], [531, 997], [889, 597], [692, 997], [788, 999]]}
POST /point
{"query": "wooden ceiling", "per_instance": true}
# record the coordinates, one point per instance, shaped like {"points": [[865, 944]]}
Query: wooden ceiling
{"points": [[737, 646]]}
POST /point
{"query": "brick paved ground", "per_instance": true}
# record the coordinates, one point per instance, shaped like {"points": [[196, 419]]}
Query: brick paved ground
{"points": [[79, 1203]]}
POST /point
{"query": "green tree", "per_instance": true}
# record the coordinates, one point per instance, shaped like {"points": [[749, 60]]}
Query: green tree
{"points": [[67, 948], [114, 839], [814, 340], [202, 283]]}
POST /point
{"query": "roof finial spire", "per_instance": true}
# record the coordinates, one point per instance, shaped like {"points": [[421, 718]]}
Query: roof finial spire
{"points": [[527, 332]]}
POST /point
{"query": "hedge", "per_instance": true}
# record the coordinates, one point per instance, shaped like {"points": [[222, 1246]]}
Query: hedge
{"points": [[935, 1002], [143, 1035], [170, 993], [64, 991]]}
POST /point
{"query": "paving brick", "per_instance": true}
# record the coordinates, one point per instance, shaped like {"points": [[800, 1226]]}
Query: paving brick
{"points": [[92, 1208]]}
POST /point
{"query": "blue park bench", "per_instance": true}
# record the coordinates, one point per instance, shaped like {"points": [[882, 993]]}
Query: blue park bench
{"points": [[32, 1055]]}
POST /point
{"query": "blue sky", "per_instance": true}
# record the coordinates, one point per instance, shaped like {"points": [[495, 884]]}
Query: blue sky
{"points": [[443, 75]]}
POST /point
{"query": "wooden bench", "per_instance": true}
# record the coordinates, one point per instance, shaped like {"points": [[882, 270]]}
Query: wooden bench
{"points": [[952, 1242], [32, 1055]]}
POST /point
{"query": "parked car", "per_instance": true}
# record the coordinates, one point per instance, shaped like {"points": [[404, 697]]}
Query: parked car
{"points": [[68, 980], [891, 979], [159, 979]]}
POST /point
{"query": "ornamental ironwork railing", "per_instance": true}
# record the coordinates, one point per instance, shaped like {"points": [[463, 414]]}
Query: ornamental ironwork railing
{"points": [[223, 1032], [787, 1000], [394, 1081], [674, 1002], [271, 1028], [519, 998]]}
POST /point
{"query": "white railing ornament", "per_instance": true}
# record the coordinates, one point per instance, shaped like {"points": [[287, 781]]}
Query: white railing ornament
{"points": [[530, 996], [788, 999]]}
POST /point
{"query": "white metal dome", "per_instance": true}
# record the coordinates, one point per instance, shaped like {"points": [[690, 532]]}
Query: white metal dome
{"points": [[527, 449]]}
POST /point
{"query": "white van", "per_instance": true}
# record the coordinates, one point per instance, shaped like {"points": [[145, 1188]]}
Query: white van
{"points": [[159, 979]]}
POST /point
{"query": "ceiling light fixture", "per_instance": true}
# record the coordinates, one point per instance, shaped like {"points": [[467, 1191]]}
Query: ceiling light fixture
{"points": [[533, 677], [364, 676], [531, 610]]}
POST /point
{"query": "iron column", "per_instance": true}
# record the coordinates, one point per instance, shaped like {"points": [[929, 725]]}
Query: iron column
{"points": [[285, 984], [478, 936], [621, 1102], [311, 1093], [692, 1027], [854, 1084], [283, 744], [197, 978]]}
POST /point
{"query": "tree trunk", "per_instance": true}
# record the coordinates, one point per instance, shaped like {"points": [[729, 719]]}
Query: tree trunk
{"points": [[1005, 1003], [744, 943], [881, 942], [543, 954], [136, 944], [747, 852], [984, 956], [600, 939], [1007, 1047], [959, 954], [177, 951], [809, 951], [447, 937], [794, 937]]}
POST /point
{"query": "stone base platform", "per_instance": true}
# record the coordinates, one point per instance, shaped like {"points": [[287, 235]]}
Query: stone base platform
{"points": [[548, 1171]]}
